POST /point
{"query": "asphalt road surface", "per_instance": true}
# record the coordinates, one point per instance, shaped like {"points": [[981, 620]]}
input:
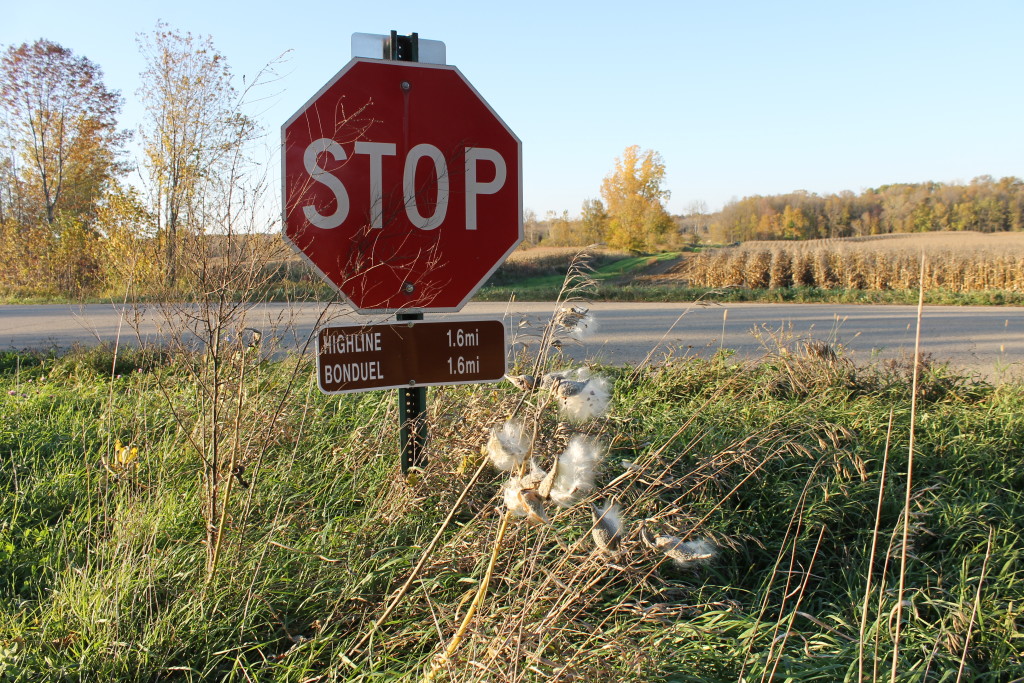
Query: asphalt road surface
{"points": [[987, 341]]}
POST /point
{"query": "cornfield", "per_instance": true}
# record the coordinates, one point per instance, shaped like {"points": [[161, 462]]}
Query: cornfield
{"points": [[957, 261]]}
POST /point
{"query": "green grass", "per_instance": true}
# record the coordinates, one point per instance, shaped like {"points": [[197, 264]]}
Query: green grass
{"points": [[549, 279], [779, 462]]}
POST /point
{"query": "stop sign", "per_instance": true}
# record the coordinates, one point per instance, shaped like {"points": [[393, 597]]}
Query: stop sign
{"points": [[402, 187]]}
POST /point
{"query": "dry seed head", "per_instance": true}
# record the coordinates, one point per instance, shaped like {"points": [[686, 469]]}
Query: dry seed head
{"points": [[577, 467], [686, 553], [582, 401], [534, 506], [577, 320], [508, 445], [544, 488], [566, 388], [515, 504], [547, 380], [608, 527], [523, 382], [524, 502]]}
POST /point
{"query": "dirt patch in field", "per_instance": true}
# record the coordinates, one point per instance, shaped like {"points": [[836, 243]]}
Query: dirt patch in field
{"points": [[664, 272]]}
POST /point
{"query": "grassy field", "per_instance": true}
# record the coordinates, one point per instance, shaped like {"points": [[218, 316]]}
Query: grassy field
{"points": [[835, 556]]}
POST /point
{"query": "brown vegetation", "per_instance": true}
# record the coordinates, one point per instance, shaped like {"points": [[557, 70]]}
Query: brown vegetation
{"points": [[960, 262]]}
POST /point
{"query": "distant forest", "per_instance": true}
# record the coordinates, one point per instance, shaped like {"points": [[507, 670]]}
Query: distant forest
{"points": [[985, 205]]}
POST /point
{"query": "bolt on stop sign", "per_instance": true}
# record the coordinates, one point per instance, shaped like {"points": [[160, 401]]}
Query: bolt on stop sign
{"points": [[402, 187]]}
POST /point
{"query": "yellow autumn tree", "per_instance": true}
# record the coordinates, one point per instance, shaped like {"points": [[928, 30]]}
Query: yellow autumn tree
{"points": [[190, 135], [634, 196], [131, 260], [60, 149]]}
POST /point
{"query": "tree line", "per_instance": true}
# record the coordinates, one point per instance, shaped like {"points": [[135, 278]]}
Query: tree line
{"points": [[78, 218], [984, 205], [70, 222]]}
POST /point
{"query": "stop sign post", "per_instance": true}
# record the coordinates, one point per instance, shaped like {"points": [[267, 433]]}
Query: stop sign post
{"points": [[403, 189]]}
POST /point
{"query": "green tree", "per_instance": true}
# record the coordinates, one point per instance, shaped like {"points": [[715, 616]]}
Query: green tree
{"points": [[634, 194]]}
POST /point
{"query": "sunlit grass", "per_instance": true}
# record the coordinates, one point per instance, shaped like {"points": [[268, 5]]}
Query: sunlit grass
{"points": [[778, 463]]}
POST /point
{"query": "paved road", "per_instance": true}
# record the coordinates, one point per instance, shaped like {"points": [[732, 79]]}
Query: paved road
{"points": [[985, 340]]}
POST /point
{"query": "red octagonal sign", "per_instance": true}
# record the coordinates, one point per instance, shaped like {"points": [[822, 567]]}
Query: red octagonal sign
{"points": [[402, 187]]}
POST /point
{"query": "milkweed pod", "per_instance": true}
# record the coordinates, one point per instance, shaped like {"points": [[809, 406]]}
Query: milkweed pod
{"points": [[608, 527], [582, 401], [508, 445], [577, 467]]}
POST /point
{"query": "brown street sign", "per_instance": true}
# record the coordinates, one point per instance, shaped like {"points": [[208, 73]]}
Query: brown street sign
{"points": [[409, 354]]}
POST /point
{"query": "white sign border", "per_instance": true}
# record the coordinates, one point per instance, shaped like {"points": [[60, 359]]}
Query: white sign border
{"points": [[284, 195], [406, 385]]}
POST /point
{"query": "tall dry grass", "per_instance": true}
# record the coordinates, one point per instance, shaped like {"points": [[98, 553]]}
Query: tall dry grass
{"points": [[336, 568], [959, 262]]}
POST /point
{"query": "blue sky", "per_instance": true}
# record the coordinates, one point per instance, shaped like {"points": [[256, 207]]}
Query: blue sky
{"points": [[740, 98]]}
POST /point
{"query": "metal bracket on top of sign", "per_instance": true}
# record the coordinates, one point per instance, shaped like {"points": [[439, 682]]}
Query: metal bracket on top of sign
{"points": [[376, 46]]}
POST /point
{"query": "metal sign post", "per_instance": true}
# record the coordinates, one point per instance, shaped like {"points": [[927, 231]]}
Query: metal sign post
{"points": [[412, 414], [412, 403]]}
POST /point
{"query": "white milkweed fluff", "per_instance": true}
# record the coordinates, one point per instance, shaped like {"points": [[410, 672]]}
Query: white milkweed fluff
{"points": [[524, 502], [577, 321], [508, 446], [608, 527], [583, 400], [687, 553], [513, 502], [577, 467]]}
